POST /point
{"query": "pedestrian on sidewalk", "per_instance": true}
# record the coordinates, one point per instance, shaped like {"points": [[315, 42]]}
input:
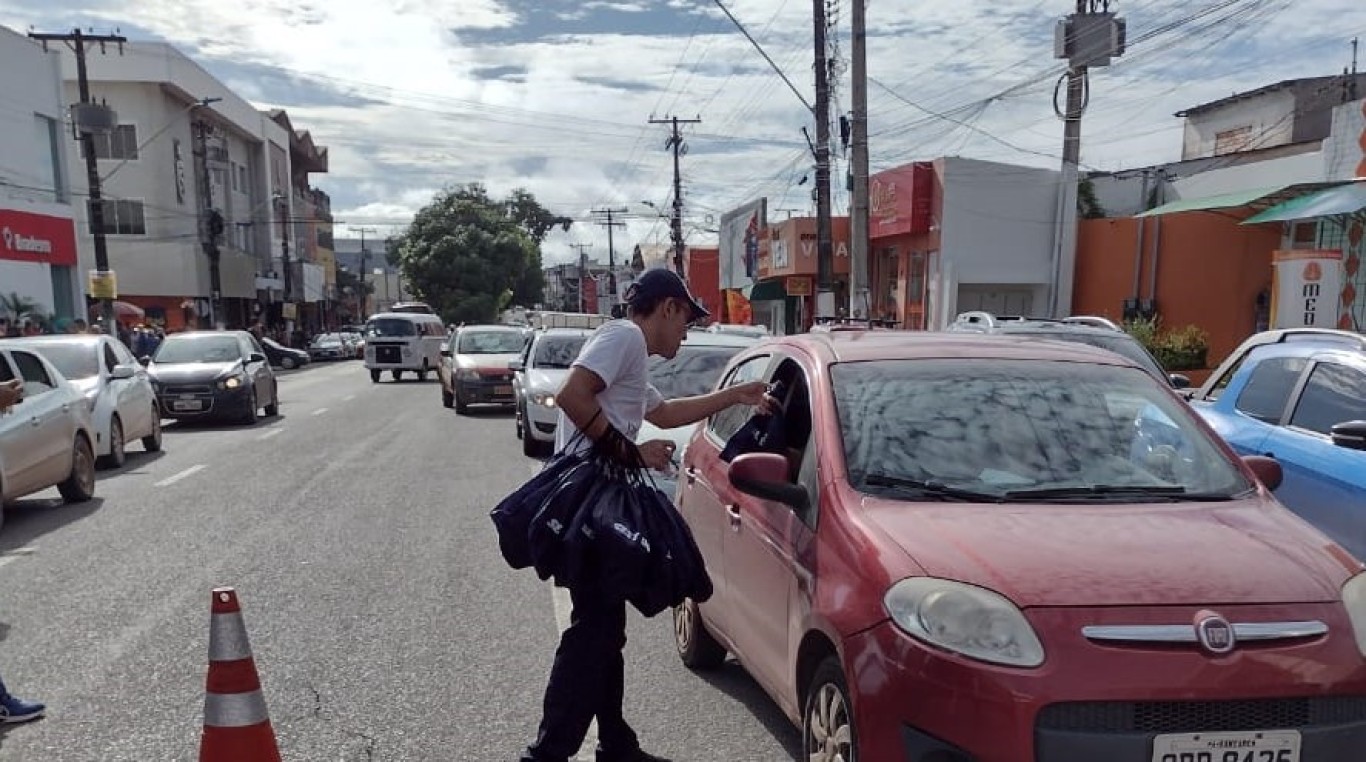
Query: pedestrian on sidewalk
{"points": [[12, 709], [608, 394]]}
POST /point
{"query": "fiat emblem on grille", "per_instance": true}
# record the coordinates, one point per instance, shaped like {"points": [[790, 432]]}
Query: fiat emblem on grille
{"points": [[1214, 633]]}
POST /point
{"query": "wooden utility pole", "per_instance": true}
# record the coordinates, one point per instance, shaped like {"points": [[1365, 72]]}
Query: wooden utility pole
{"points": [[824, 237], [860, 302], [89, 118], [675, 142], [611, 251]]}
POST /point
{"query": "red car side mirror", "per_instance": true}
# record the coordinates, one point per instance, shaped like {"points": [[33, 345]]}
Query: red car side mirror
{"points": [[1268, 470], [764, 475]]}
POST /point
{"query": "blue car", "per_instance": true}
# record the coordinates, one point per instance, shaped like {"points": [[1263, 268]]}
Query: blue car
{"points": [[1299, 396]]}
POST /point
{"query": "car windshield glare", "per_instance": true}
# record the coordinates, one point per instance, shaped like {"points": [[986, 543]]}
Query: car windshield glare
{"points": [[1122, 344], [558, 352], [693, 371], [1023, 430], [490, 342], [76, 360], [187, 349], [390, 327]]}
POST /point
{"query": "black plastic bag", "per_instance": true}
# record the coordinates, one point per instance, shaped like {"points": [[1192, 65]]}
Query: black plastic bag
{"points": [[513, 515], [555, 549], [676, 569], [761, 433]]}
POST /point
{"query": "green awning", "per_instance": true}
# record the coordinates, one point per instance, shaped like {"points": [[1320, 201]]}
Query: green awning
{"points": [[1208, 203], [771, 290], [1344, 199]]}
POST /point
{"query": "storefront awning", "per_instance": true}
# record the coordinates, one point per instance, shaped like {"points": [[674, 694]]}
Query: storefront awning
{"points": [[771, 290], [1209, 203], [1344, 199]]}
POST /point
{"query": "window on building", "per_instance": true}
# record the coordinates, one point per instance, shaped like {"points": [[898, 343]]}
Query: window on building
{"points": [[242, 178], [49, 134], [121, 144], [233, 172], [1232, 141], [121, 217], [1332, 235], [218, 177]]}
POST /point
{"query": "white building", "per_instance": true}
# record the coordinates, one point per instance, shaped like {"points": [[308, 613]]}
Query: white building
{"points": [[37, 237], [160, 172]]}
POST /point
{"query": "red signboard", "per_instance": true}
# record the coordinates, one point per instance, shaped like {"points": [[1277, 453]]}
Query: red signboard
{"points": [[901, 200], [29, 237]]}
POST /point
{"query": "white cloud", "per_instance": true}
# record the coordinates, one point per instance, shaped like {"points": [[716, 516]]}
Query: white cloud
{"points": [[570, 125]]}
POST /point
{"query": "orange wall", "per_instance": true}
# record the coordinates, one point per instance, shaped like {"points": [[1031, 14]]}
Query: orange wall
{"points": [[1210, 271]]}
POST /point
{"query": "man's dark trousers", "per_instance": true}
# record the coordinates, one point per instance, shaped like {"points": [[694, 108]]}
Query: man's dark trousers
{"points": [[587, 681]]}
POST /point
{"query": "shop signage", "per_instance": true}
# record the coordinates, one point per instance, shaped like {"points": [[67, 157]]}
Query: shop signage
{"points": [[1307, 288], [30, 237], [901, 200], [799, 285]]}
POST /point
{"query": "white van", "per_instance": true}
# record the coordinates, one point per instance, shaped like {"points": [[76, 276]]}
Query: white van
{"points": [[399, 341]]}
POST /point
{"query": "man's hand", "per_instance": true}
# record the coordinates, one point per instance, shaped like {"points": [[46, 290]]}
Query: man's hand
{"points": [[657, 454], [10, 392], [754, 393]]}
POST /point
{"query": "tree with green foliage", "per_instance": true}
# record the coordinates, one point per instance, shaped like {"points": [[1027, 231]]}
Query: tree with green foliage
{"points": [[470, 256]]}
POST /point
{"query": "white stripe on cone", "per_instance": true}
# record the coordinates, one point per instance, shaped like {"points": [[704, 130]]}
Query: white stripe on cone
{"points": [[234, 710], [228, 638]]}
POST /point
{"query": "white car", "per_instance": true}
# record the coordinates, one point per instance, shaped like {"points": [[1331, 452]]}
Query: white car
{"points": [[116, 388], [695, 370], [46, 439], [537, 378]]}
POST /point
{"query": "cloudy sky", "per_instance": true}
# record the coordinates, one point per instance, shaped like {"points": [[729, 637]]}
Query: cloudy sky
{"points": [[556, 95]]}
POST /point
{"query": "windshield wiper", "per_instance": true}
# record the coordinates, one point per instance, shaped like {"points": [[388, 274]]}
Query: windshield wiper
{"points": [[931, 489], [1171, 491]]}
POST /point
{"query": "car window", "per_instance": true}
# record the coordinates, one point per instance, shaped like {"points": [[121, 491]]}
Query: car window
{"points": [[111, 360], [1097, 433], [1334, 394], [190, 348], [558, 351], [390, 327], [75, 360], [35, 376], [124, 356], [725, 423], [489, 343], [1121, 344], [1268, 389], [1226, 379], [6, 374]]}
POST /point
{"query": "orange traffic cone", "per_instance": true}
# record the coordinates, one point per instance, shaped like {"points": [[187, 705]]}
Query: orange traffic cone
{"points": [[236, 723]]}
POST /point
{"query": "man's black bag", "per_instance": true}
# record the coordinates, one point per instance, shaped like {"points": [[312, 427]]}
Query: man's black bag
{"points": [[513, 515], [761, 433]]}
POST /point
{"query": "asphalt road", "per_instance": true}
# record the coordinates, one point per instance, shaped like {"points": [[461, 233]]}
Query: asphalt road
{"points": [[384, 624]]}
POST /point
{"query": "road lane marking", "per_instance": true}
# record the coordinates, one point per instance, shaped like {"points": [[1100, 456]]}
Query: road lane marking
{"points": [[269, 434], [191, 471], [320, 411], [15, 554], [348, 398]]}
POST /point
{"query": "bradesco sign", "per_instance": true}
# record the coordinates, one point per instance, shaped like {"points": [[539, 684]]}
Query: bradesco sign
{"points": [[30, 237]]}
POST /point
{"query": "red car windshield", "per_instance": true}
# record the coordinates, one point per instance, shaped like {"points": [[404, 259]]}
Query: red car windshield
{"points": [[1026, 430]]}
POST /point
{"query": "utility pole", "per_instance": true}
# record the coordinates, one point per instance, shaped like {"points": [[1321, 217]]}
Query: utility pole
{"points": [[283, 201], [824, 243], [675, 142], [364, 256], [859, 270], [210, 223], [583, 271], [1090, 37], [611, 252], [89, 118]]}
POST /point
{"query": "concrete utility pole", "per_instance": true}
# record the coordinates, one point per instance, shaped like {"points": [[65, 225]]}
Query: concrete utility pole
{"points": [[364, 256], [90, 118], [583, 271], [824, 238], [675, 142], [1090, 37], [860, 303], [285, 264], [210, 224], [611, 251]]}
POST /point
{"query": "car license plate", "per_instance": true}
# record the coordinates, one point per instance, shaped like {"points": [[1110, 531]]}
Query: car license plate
{"points": [[1255, 746], [187, 405], [502, 390]]}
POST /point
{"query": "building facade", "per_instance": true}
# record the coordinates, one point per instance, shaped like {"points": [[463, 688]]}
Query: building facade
{"points": [[38, 252]]}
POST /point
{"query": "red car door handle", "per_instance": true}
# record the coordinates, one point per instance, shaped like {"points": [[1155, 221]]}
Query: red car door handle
{"points": [[733, 511], [691, 471]]}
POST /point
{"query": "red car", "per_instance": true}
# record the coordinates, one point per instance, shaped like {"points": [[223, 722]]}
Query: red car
{"points": [[983, 550]]}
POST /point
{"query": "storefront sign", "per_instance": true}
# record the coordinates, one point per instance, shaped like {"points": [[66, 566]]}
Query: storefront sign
{"points": [[798, 286], [1307, 288], [102, 284], [740, 230], [30, 237], [901, 200]]}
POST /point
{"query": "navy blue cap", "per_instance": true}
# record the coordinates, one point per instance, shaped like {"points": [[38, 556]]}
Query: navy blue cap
{"points": [[656, 285]]}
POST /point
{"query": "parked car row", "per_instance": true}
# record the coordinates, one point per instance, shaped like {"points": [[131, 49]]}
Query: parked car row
{"points": [[85, 397]]}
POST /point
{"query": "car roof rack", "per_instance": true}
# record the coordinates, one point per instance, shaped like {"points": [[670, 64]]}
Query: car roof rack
{"points": [[1095, 321], [1332, 335]]}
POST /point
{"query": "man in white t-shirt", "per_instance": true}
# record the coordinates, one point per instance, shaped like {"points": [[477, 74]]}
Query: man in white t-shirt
{"points": [[608, 391]]}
